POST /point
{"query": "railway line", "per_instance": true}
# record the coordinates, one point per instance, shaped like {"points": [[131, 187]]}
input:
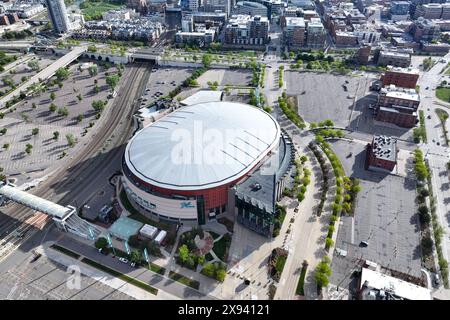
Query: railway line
{"points": [[82, 169]]}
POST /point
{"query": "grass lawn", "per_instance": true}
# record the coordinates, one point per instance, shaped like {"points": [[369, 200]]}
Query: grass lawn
{"points": [[301, 282], [121, 276], [184, 280], [65, 251], [220, 248], [443, 94], [94, 10], [155, 268]]}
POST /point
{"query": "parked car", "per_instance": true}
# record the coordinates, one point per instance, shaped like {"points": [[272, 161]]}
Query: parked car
{"points": [[364, 244], [123, 260]]}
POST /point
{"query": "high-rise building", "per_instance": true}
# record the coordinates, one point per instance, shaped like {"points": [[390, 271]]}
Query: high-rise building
{"points": [[58, 15]]}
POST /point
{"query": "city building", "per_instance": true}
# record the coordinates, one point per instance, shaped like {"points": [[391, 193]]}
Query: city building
{"points": [[363, 55], [374, 285], [173, 18], [191, 178], [294, 32], [138, 5], [200, 38], [429, 11], [4, 21], [244, 30], [58, 15], [381, 154], [400, 77], [250, 8], [123, 14], [25, 10], [399, 8], [425, 30], [343, 39], [316, 34], [398, 106], [394, 58]]}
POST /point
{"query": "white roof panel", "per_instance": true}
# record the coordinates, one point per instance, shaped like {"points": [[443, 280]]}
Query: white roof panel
{"points": [[202, 146]]}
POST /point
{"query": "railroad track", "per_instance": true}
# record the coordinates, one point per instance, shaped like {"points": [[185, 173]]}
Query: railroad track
{"points": [[121, 112]]}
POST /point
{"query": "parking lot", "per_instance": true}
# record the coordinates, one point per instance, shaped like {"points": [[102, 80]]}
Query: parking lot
{"points": [[162, 81], [47, 280], [323, 96], [241, 77], [34, 112], [22, 70], [385, 217]]}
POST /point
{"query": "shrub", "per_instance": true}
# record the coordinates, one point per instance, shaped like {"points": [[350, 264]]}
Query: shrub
{"points": [[328, 243]]}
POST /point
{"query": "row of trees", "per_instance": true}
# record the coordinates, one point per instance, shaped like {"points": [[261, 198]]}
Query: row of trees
{"points": [[290, 111]]}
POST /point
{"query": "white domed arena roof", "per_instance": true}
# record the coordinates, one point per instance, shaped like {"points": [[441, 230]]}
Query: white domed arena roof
{"points": [[202, 146]]}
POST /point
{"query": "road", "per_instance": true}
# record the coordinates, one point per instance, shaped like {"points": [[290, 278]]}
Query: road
{"points": [[437, 155]]}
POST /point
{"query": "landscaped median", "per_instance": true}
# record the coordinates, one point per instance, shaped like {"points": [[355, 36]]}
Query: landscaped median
{"points": [[420, 133], [121, 276], [65, 251], [423, 174], [184, 280], [290, 109], [300, 290]]}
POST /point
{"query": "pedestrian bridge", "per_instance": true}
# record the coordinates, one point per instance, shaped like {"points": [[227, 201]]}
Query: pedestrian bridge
{"points": [[66, 218]]}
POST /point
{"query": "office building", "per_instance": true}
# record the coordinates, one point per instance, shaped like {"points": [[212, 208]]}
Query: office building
{"points": [[58, 15]]}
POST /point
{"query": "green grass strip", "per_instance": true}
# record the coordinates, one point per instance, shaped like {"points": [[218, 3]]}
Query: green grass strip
{"points": [[65, 251], [184, 280], [121, 276]]}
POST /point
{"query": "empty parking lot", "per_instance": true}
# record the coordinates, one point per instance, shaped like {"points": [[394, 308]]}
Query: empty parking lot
{"points": [[385, 217]]}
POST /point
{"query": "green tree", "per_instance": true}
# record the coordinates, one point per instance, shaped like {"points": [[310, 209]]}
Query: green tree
{"points": [[63, 112], [93, 70], [183, 253], [209, 270], [322, 272], [101, 243], [135, 256], [52, 96], [98, 105], [206, 60], [62, 74], [112, 81], [220, 275], [34, 65], [71, 140], [52, 107], [28, 148], [55, 135], [35, 131], [6, 146]]}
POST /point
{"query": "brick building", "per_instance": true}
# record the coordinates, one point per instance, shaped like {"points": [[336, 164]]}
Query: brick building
{"points": [[400, 77], [381, 154], [398, 106]]}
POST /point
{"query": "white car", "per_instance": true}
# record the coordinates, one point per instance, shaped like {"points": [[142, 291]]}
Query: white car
{"points": [[123, 260]]}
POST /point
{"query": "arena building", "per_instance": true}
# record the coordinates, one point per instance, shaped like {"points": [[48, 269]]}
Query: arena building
{"points": [[187, 167]]}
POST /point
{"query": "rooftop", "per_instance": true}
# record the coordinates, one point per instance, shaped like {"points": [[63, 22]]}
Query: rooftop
{"points": [[403, 70], [125, 227], [201, 146], [401, 93], [295, 22], [389, 286], [202, 96], [385, 148]]}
